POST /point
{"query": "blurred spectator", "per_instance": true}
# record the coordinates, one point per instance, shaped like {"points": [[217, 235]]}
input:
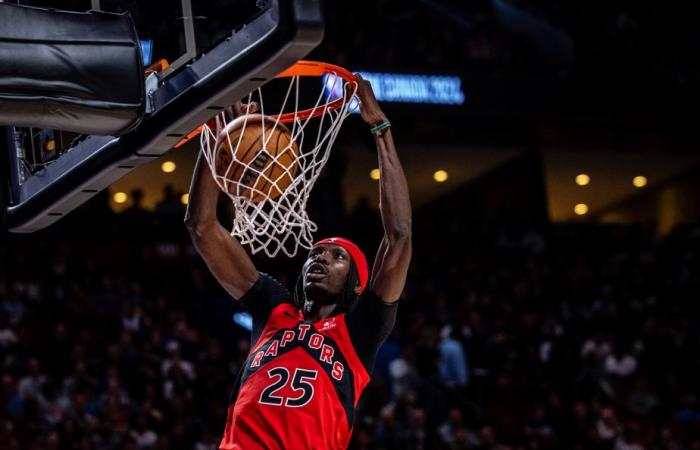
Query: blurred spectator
{"points": [[688, 412], [30, 385], [178, 373], [642, 400], [596, 349], [449, 429], [144, 438], [624, 442], [453, 362], [133, 320], [170, 207], [621, 363], [607, 426], [404, 375], [135, 218], [8, 337]]}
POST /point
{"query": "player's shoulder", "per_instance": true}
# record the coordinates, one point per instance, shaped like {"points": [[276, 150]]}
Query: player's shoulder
{"points": [[370, 308], [371, 300], [269, 281], [268, 286]]}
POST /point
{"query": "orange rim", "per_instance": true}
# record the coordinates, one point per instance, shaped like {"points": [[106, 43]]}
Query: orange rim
{"points": [[300, 69], [314, 69]]}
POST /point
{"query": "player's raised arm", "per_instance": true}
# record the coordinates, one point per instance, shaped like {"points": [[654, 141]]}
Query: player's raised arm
{"points": [[394, 255], [224, 255]]}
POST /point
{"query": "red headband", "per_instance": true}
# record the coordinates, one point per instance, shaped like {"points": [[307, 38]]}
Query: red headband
{"points": [[355, 253]]}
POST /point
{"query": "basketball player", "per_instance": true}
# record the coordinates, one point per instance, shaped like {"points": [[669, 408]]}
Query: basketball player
{"points": [[313, 349]]}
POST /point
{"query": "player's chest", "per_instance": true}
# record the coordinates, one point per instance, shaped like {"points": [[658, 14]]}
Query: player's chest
{"points": [[324, 341]]}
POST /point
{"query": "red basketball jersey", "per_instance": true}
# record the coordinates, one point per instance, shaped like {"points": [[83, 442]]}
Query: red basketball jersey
{"points": [[301, 382], [299, 386]]}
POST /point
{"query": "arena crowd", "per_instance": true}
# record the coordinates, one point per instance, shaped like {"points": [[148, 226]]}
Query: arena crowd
{"points": [[509, 336]]}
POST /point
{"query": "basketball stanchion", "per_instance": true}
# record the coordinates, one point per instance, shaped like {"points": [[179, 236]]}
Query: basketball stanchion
{"points": [[268, 164]]}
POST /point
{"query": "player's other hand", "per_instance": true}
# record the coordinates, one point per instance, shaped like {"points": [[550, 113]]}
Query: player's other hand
{"points": [[239, 109], [369, 108]]}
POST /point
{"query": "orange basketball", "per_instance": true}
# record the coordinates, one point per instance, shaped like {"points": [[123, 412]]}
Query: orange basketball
{"points": [[258, 172]]}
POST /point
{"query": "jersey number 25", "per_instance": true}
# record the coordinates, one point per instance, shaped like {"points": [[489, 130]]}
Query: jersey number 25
{"points": [[300, 383]]}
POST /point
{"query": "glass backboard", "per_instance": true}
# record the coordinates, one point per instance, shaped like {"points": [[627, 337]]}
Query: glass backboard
{"points": [[215, 52]]}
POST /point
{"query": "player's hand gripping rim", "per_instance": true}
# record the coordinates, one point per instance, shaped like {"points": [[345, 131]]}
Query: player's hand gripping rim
{"points": [[371, 113]]}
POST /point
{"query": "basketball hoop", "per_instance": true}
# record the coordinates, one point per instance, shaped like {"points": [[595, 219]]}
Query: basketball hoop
{"points": [[274, 223]]}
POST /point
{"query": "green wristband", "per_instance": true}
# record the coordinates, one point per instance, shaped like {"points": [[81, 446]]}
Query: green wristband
{"points": [[382, 126]]}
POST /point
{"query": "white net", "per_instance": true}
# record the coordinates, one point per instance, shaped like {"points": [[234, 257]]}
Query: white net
{"points": [[270, 191]]}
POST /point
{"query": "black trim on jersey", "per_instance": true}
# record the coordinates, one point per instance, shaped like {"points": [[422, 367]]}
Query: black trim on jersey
{"points": [[344, 389], [237, 386]]}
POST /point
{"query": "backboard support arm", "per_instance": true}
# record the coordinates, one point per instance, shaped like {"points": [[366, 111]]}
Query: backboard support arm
{"points": [[243, 61]]}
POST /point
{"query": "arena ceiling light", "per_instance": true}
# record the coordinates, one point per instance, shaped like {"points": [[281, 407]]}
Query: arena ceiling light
{"points": [[581, 209], [639, 181], [583, 179], [374, 174], [168, 167], [440, 176], [120, 197]]}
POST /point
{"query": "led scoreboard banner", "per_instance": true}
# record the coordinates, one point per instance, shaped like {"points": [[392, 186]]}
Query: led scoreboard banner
{"points": [[405, 88]]}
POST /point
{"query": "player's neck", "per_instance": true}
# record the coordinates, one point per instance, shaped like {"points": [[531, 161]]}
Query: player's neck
{"points": [[314, 312]]}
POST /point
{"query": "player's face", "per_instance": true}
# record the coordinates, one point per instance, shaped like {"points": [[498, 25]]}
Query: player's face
{"points": [[326, 271]]}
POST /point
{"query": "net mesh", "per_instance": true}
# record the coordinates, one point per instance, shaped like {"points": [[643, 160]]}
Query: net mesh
{"points": [[274, 219]]}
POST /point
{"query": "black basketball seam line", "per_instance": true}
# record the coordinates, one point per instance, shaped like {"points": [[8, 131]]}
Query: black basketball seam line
{"points": [[268, 179], [232, 153], [294, 162], [243, 165], [241, 160], [222, 156], [231, 165], [261, 172]]}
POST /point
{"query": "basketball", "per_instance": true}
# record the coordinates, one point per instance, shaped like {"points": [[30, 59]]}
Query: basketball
{"points": [[266, 159]]}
